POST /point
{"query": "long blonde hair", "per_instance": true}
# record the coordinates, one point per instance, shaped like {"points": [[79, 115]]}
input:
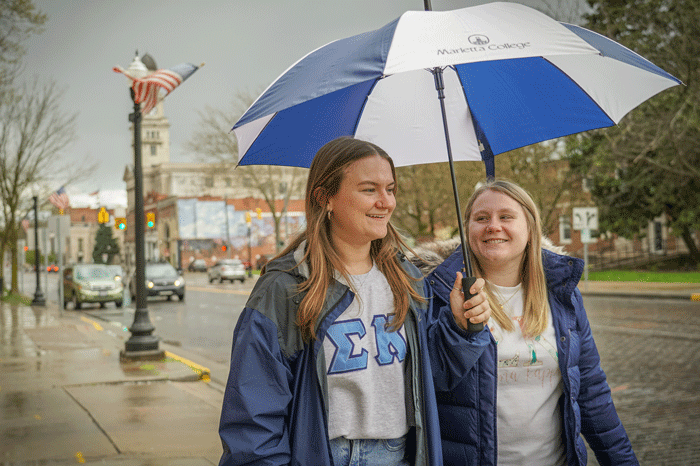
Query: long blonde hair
{"points": [[325, 176], [536, 307]]}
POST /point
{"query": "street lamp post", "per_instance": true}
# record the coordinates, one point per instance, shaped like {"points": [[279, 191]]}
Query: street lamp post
{"points": [[142, 344], [38, 295]]}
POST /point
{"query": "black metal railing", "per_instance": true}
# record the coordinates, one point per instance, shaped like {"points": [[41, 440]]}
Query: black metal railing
{"points": [[638, 253]]}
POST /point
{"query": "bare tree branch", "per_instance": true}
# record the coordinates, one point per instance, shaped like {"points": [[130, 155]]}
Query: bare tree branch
{"points": [[34, 132]]}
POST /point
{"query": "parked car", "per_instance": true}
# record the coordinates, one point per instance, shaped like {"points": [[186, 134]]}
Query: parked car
{"points": [[162, 279], [91, 283], [117, 271], [197, 265], [227, 269]]}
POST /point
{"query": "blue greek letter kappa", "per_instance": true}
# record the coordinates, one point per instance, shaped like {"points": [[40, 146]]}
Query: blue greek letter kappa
{"points": [[390, 345]]}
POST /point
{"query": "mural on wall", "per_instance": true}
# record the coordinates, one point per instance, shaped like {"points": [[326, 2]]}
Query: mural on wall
{"points": [[206, 220]]}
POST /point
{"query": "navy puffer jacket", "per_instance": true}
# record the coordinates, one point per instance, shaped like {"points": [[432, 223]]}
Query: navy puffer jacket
{"points": [[468, 414]]}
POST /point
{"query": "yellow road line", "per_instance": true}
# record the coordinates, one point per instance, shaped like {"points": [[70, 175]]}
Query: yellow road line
{"points": [[217, 290], [90, 321], [204, 372]]}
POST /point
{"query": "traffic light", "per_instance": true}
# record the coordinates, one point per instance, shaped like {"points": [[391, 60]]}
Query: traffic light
{"points": [[223, 248], [26, 248], [103, 215], [259, 212], [120, 223], [150, 219]]}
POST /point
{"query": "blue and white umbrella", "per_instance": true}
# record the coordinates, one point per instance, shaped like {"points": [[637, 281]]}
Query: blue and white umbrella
{"points": [[512, 77], [506, 76]]}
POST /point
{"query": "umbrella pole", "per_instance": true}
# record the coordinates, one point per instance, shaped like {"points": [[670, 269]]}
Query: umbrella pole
{"points": [[469, 279]]}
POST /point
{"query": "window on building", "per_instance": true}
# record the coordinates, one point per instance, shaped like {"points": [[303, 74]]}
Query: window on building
{"points": [[227, 180], [209, 182], [564, 229], [587, 184], [153, 149], [80, 244]]}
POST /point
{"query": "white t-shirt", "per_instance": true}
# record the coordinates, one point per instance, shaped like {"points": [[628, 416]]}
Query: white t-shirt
{"points": [[365, 365], [529, 386]]}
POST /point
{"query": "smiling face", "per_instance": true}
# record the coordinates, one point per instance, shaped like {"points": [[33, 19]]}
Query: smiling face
{"points": [[498, 236], [362, 207]]}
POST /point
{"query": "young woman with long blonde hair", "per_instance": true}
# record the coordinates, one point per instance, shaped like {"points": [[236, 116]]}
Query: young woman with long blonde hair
{"points": [[538, 386], [336, 356]]}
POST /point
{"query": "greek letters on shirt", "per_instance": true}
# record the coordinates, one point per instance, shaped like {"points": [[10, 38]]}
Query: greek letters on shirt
{"points": [[350, 338]]}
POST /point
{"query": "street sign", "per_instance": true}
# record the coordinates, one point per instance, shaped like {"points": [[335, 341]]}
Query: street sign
{"points": [[585, 218], [586, 236]]}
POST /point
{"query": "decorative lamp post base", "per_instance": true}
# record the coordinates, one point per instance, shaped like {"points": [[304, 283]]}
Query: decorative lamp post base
{"points": [[38, 299], [141, 348], [128, 356]]}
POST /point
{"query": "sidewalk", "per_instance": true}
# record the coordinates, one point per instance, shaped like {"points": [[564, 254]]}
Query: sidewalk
{"points": [[686, 291], [66, 398]]}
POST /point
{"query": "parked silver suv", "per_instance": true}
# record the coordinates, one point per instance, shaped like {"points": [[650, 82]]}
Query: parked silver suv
{"points": [[227, 269], [92, 283]]}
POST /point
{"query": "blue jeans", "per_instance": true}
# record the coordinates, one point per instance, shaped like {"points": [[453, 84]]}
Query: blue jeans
{"points": [[369, 452]]}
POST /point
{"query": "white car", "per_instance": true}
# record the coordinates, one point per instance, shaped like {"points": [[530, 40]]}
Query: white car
{"points": [[227, 269]]}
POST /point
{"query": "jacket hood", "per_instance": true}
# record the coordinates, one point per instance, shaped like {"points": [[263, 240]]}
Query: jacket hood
{"points": [[290, 263], [429, 255], [442, 258]]}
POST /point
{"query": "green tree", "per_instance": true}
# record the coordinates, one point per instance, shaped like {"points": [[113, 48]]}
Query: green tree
{"points": [[649, 164], [105, 244]]}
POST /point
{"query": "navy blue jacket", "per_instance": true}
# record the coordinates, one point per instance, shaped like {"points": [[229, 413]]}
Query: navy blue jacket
{"points": [[275, 409], [468, 413]]}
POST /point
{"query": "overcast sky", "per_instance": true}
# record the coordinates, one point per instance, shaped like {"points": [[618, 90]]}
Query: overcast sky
{"points": [[245, 44]]}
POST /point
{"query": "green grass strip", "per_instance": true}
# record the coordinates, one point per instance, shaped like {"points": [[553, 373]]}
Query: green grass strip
{"points": [[635, 276]]}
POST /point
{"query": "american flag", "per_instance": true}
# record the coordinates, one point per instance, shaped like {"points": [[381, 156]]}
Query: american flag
{"points": [[59, 198], [146, 89]]}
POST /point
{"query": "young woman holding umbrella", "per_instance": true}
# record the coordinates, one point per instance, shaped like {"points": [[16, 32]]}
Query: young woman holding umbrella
{"points": [[542, 359], [335, 359]]}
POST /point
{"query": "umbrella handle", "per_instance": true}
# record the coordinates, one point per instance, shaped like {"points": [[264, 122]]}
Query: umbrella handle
{"points": [[467, 283]]}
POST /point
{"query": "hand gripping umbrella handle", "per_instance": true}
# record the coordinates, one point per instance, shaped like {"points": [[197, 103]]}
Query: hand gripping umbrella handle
{"points": [[467, 283]]}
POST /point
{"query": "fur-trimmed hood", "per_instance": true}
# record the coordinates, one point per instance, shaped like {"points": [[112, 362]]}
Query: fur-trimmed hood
{"points": [[429, 255]]}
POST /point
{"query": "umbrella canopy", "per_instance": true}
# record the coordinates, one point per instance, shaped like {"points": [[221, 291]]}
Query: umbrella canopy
{"points": [[512, 77]]}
